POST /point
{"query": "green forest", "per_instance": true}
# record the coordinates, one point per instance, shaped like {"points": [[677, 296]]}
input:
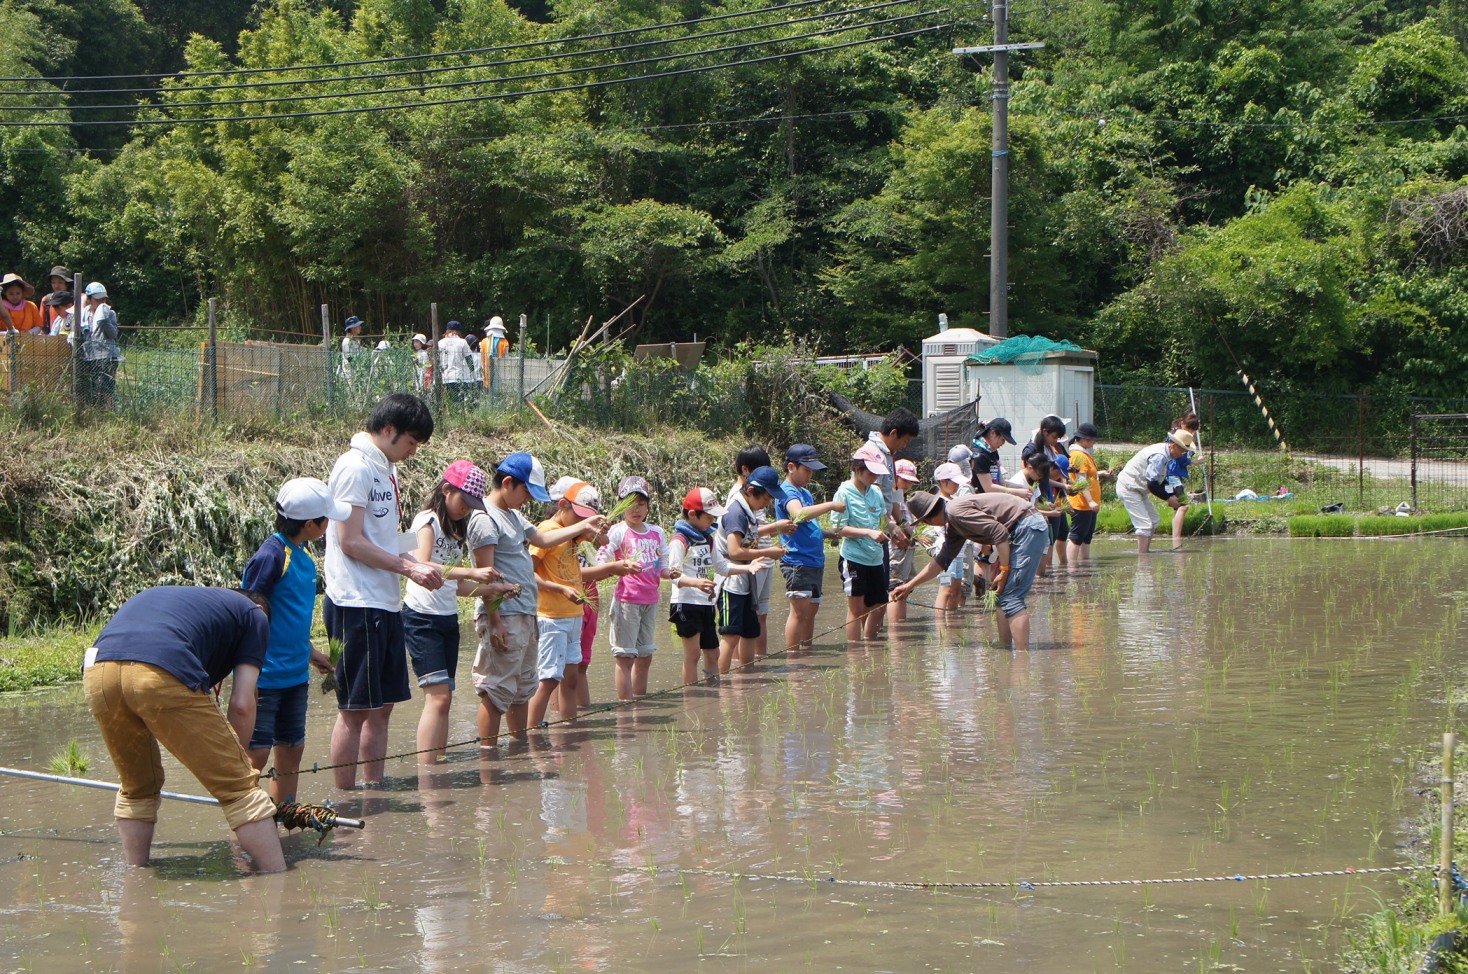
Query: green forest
{"points": [[1196, 184]]}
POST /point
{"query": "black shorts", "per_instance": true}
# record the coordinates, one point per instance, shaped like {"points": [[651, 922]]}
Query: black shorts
{"points": [[867, 581], [694, 620], [1059, 529], [373, 669], [737, 616], [1082, 526]]}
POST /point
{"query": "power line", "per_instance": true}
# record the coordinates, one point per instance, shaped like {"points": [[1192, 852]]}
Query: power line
{"points": [[508, 62], [534, 76], [499, 96], [402, 58]]}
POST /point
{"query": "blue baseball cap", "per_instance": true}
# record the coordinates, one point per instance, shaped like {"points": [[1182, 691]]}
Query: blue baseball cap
{"points": [[453, 326], [805, 455], [522, 466], [765, 479]]}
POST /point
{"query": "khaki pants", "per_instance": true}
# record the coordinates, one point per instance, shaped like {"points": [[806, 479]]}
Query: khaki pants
{"points": [[138, 706]]}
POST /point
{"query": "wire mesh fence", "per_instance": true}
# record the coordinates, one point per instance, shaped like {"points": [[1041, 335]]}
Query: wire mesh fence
{"points": [[1439, 462]]}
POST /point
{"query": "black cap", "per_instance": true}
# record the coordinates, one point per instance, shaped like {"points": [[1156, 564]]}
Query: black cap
{"points": [[452, 326], [805, 455], [1087, 431], [59, 299], [1000, 426]]}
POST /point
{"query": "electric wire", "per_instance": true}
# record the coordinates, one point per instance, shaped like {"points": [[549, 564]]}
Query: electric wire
{"points": [[401, 58], [506, 79], [498, 96], [476, 66]]}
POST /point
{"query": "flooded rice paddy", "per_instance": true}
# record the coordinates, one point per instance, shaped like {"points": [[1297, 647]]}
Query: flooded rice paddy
{"points": [[1247, 707]]}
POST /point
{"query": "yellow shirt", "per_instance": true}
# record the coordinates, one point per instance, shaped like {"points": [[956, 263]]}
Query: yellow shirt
{"points": [[558, 564], [1082, 464]]}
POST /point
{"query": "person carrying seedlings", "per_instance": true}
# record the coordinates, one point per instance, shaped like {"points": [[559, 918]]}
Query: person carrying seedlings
{"points": [[147, 683], [1146, 474], [736, 540], [804, 564], [1085, 502], [902, 560], [1048, 441], [1177, 476], [1045, 496], [1019, 535], [952, 484], [693, 560], [863, 563], [559, 606], [635, 600], [363, 606], [762, 585], [283, 571], [988, 475], [509, 636], [431, 618]]}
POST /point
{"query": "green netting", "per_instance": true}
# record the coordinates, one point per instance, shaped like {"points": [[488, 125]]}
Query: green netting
{"points": [[1025, 351]]}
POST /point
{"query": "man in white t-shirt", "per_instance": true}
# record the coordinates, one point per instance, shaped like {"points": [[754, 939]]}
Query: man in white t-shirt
{"points": [[453, 359], [363, 593]]}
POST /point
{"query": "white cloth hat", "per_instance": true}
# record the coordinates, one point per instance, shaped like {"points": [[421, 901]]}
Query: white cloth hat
{"points": [[306, 499], [384, 345], [949, 471]]}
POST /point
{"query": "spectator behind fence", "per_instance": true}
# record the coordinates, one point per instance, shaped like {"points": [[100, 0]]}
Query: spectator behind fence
{"points": [[100, 352], [60, 311], [351, 347], [59, 280], [24, 316], [453, 359], [496, 345]]}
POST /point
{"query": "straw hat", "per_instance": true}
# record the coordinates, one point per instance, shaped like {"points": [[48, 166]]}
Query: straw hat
{"points": [[10, 279]]}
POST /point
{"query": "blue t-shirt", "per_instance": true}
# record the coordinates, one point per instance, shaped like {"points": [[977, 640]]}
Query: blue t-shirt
{"points": [[197, 634], [807, 545], [286, 575]]}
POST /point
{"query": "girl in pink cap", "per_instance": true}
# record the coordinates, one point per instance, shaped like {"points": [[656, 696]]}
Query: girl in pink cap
{"points": [[431, 618], [863, 574]]}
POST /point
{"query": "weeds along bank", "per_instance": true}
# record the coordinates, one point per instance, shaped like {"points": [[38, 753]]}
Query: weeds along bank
{"points": [[90, 515]]}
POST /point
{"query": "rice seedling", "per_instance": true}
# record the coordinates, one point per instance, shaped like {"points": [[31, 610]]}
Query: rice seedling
{"points": [[69, 760]]}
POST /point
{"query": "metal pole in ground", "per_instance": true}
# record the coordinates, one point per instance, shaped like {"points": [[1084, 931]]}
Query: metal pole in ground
{"points": [[326, 355], [78, 383], [436, 359], [524, 322], [213, 360], [1415, 451], [1445, 859], [1361, 449]]}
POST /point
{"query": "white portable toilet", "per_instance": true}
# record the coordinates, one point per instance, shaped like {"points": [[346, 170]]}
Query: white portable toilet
{"points": [[1060, 382], [946, 383]]}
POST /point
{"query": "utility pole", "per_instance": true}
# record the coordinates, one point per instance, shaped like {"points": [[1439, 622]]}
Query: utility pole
{"points": [[999, 178]]}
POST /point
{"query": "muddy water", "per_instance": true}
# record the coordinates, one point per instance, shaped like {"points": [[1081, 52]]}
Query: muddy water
{"points": [[1249, 707]]}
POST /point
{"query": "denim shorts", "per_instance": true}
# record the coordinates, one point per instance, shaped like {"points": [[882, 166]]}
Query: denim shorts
{"points": [[433, 646], [1027, 544], [280, 717]]}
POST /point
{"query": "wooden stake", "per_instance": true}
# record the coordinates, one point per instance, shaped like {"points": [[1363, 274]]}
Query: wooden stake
{"points": [[1445, 861]]}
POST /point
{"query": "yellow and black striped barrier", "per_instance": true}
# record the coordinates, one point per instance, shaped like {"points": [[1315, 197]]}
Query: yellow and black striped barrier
{"points": [[1273, 427]]}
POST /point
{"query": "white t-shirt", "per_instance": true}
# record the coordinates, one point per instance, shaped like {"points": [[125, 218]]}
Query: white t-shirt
{"points": [[446, 552], [453, 358], [363, 478]]}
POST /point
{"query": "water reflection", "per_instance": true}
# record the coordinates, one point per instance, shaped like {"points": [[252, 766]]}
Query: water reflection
{"points": [[1239, 708]]}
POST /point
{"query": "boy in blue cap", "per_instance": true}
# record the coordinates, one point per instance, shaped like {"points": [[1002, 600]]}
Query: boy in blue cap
{"points": [[804, 564], [736, 541], [499, 536]]}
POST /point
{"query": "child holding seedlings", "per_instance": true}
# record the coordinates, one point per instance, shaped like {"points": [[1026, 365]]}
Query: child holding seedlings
{"points": [[1048, 443], [951, 485], [635, 599], [903, 557], [692, 561], [1037, 473], [284, 572], [509, 637], [804, 564], [559, 612], [859, 526], [1177, 476], [736, 541], [762, 585], [1085, 503], [431, 618]]}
